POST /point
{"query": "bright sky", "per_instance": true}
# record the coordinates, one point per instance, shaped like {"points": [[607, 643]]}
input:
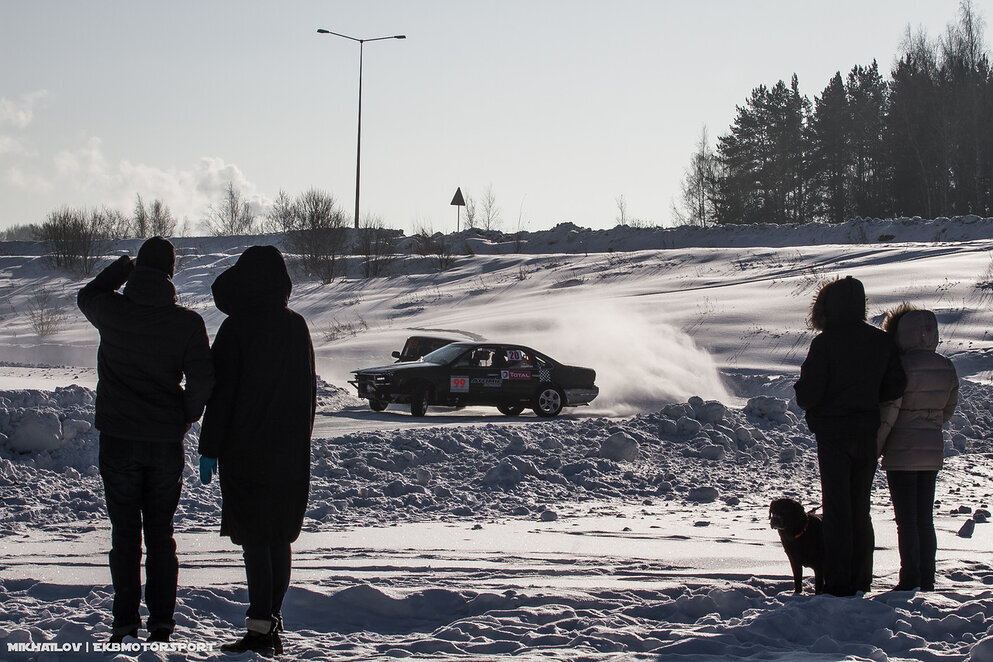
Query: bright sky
{"points": [[558, 106]]}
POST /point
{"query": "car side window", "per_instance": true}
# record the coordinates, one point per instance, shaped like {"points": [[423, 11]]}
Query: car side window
{"points": [[480, 357], [515, 357]]}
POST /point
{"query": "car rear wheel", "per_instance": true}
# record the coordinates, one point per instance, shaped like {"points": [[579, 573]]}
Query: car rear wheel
{"points": [[510, 410], [377, 405], [419, 402], [549, 400]]}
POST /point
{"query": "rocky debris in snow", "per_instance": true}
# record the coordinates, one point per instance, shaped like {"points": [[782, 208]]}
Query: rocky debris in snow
{"points": [[620, 447], [738, 458]]}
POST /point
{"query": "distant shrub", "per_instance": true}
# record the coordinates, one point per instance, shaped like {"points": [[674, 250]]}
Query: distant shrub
{"points": [[233, 215], [73, 238], [26, 232], [46, 313], [435, 246], [316, 232], [377, 245], [336, 330]]}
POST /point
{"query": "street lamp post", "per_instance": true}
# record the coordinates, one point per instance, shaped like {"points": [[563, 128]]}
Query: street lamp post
{"points": [[358, 145]]}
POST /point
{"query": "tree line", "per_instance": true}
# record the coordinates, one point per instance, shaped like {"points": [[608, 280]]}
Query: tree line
{"points": [[919, 143], [313, 228]]}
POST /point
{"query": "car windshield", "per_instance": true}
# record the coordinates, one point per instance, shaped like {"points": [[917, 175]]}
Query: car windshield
{"points": [[444, 355]]}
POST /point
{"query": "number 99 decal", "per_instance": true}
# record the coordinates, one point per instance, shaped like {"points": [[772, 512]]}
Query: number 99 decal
{"points": [[459, 384]]}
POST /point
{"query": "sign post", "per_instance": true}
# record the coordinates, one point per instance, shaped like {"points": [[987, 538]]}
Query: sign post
{"points": [[458, 202]]}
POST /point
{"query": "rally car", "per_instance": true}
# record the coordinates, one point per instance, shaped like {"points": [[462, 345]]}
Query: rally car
{"points": [[508, 376]]}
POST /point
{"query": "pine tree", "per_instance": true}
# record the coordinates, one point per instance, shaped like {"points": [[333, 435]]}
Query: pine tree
{"points": [[764, 159], [831, 152], [867, 103]]}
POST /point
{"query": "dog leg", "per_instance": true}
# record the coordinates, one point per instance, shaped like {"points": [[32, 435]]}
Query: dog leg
{"points": [[797, 575]]}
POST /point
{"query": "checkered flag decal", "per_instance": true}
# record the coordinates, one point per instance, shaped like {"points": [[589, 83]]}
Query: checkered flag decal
{"points": [[545, 375]]}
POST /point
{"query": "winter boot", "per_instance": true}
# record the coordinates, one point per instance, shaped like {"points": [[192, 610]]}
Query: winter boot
{"points": [[277, 627], [253, 641]]}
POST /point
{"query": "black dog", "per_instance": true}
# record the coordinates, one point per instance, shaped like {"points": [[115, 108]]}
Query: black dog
{"points": [[802, 534]]}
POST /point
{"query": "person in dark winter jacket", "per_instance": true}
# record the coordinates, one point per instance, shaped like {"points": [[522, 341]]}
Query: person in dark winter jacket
{"points": [[148, 344], [911, 442], [258, 425], [850, 369]]}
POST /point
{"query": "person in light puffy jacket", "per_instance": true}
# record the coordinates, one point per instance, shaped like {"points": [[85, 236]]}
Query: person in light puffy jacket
{"points": [[911, 440], [850, 369], [257, 427]]}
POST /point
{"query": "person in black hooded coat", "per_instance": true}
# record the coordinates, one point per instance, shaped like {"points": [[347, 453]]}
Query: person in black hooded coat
{"points": [[258, 424], [852, 367]]}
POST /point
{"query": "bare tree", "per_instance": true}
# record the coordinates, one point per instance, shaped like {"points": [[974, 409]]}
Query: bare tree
{"points": [[280, 217], [434, 245], [490, 212], [161, 222], [698, 186], [622, 210], [470, 212], [114, 224], [317, 232], [232, 216], [73, 237], [519, 233], [20, 232], [377, 245], [139, 223], [45, 312]]}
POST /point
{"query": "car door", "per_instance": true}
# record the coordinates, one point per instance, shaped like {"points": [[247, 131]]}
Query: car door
{"points": [[518, 372], [475, 379]]}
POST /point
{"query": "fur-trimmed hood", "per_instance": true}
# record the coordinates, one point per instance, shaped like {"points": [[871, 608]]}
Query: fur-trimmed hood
{"points": [[841, 301], [912, 328]]}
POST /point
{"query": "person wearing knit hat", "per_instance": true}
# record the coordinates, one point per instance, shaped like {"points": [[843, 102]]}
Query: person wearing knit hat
{"points": [[148, 346], [157, 253]]}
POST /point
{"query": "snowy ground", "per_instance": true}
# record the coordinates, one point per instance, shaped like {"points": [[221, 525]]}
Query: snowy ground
{"points": [[634, 529]]}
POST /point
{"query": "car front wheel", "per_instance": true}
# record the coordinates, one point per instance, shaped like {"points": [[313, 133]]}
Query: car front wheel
{"points": [[419, 402], [548, 402], [377, 405]]}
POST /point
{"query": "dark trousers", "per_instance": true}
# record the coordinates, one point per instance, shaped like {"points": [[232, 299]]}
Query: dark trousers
{"points": [[142, 482], [847, 465], [912, 493], [268, 571]]}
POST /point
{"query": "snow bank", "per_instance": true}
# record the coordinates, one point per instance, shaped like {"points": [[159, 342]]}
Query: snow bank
{"points": [[570, 238], [33, 420], [731, 620], [695, 452]]}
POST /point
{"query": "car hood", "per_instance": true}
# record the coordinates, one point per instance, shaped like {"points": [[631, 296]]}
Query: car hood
{"points": [[402, 366]]}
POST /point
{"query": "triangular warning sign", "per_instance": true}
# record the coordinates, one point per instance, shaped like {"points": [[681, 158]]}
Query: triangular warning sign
{"points": [[458, 199]]}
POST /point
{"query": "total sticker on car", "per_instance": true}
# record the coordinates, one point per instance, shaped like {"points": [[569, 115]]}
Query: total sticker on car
{"points": [[515, 374], [459, 384]]}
